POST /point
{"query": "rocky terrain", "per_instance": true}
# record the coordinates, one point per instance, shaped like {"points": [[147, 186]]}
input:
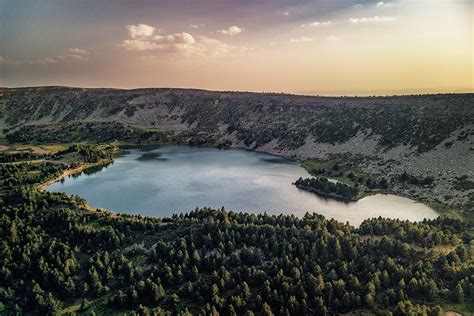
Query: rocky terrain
{"points": [[423, 135]]}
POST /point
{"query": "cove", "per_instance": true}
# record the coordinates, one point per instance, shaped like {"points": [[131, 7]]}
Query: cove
{"points": [[161, 181]]}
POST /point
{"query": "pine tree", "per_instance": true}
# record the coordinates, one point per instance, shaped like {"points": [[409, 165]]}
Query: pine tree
{"points": [[458, 294], [84, 304]]}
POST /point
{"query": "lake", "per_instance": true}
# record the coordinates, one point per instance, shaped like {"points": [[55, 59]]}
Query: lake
{"points": [[173, 179]]}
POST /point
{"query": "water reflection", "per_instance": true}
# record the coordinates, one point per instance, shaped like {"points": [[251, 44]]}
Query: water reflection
{"points": [[172, 179], [151, 156]]}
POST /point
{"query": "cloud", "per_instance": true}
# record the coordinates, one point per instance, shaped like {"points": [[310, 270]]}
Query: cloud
{"points": [[45, 61], [136, 44], [40, 61], [373, 19], [159, 42], [359, 5], [317, 24], [332, 38], [74, 57], [140, 30], [77, 51], [196, 26], [285, 13], [233, 30], [71, 55], [382, 4], [74, 54], [181, 43], [301, 39], [177, 38], [211, 47], [64, 58], [184, 38]]}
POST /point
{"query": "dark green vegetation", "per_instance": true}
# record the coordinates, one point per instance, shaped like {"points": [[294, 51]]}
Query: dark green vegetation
{"points": [[324, 187], [86, 153], [254, 119], [405, 177], [351, 186], [463, 183], [20, 156], [57, 256], [50, 166], [95, 132], [13, 175]]}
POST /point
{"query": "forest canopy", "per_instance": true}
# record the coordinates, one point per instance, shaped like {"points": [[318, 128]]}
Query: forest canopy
{"points": [[57, 254]]}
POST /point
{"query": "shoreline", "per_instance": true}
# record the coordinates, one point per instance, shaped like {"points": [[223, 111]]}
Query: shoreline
{"points": [[440, 210], [69, 172], [325, 195], [436, 207]]}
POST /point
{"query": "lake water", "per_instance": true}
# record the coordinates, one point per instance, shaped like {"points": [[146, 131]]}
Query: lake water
{"points": [[173, 179]]}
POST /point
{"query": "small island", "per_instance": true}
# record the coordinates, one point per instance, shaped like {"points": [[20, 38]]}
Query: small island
{"points": [[322, 186]]}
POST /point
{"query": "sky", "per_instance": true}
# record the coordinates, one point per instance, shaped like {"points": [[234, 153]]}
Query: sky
{"points": [[327, 47]]}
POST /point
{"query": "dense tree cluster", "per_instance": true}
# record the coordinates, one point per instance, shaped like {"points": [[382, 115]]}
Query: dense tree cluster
{"points": [[411, 179], [95, 132], [20, 156], [20, 173], [323, 186], [89, 153], [463, 183], [423, 233], [341, 168], [24, 173], [55, 253]]}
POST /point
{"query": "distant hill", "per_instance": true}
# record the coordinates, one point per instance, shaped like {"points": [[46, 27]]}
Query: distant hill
{"points": [[251, 119]]}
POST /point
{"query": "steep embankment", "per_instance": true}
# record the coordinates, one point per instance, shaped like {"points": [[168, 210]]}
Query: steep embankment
{"points": [[428, 135]]}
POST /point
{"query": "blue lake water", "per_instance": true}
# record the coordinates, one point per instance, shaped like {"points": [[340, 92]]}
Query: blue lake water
{"points": [[173, 179]]}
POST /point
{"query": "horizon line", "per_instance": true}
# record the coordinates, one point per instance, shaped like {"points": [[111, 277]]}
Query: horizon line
{"points": [[327, 93]]}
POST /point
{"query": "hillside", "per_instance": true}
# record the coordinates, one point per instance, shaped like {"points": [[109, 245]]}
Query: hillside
{"points": [[424, 135], [253, 119]]}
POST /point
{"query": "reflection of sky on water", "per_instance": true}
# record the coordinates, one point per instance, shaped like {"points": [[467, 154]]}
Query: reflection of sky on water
{"points": [[169, 179]]}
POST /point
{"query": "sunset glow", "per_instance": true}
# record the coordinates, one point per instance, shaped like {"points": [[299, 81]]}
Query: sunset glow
{"points": [[314, 47]]}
